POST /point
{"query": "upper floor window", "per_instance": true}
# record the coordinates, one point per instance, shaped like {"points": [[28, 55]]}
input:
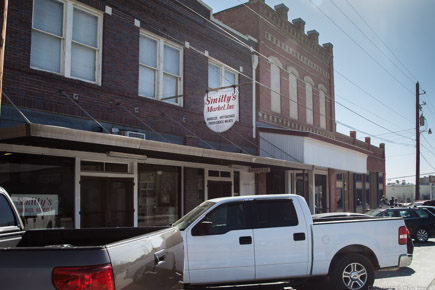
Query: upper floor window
{"points": [[293, 92], [322, 106], [309, 100], [160, 69], [66, 39], [220, 76], [275, 84]]}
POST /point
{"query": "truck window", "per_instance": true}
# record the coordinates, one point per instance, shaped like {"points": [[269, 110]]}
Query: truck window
{"points": [[275, 213], [6, 216], [225, 218]]}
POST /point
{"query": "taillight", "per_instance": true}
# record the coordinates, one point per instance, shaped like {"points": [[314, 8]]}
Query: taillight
{"points": [[87, 277], [403, 235]]}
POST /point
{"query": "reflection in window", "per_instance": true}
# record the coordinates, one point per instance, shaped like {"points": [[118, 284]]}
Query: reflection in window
{"points": [[158, 194], [227, 217], [42, 189]]}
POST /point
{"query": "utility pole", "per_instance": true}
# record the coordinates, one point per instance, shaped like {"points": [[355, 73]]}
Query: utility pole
{"points": [[417, 138]]}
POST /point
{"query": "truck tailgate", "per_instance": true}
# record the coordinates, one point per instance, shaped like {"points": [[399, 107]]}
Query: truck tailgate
{"points": [[31, 268]]}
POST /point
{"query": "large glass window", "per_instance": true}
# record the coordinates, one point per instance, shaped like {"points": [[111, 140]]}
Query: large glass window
{"points": [[41, 187], [66, 39], [158, 194], [160, 69]]}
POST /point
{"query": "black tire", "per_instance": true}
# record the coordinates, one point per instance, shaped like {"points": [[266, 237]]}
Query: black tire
{"points": [[421, 235], [352, 272]]}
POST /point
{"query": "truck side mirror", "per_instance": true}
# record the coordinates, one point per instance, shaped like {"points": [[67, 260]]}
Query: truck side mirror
{"points": [[204, 228]]}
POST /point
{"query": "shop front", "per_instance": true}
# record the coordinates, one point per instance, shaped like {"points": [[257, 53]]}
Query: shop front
{"points": [[323, 157], [65, 178]]}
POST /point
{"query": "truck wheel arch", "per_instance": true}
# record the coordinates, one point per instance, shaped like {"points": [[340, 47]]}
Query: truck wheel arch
{"points": [[355, 249]]}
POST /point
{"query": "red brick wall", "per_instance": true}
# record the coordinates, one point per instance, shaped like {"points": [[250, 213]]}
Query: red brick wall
{"points": [[243, 19], [38, 90]]}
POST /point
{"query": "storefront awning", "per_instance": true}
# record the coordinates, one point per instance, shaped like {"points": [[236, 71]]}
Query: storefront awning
{"points": [[307, 150], [70, 139]]}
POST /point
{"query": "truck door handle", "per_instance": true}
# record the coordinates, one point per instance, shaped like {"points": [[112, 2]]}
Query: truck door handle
{"points": [[299, 236], [159, 257], [245, 240]]}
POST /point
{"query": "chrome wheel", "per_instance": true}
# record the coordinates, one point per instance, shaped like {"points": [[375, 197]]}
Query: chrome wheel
{"points": [[354, 276], [422, 235]]}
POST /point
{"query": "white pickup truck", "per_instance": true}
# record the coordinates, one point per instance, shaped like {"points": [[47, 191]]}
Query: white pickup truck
{"points": [[254, 239]]}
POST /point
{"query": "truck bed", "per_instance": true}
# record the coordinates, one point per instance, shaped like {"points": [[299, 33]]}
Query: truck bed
{"points": [[80, 237]]}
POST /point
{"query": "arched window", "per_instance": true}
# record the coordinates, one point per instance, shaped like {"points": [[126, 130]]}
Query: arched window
{"points": [[275, 84], [309, 84], [293, 92], [322, 105]]}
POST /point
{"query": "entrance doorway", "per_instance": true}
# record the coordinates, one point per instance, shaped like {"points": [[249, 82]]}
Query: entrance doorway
{"points": [[321, 196], [106, 202], [218, 189]]}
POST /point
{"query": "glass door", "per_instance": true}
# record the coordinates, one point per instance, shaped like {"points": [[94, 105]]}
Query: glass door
{"points": [[106, 202]]}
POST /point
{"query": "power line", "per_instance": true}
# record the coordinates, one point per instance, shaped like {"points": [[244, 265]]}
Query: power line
{"points": [[371, 41], [233, 38], [367, 111], [379, 38], [357, 44], [399, 177], [373, 97]]}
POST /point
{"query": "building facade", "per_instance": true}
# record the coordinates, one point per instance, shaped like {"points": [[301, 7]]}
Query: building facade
{"points": [[102, 116], [296, 114]]}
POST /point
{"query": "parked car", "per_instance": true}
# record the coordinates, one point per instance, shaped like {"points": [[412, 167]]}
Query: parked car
{"points": [[249, 239], [420, 222], [429, 202], [105, 258], [429, 208]]}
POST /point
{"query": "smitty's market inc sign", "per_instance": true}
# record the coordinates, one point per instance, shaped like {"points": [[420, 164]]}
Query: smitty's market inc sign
{"points": [[221, 109]]}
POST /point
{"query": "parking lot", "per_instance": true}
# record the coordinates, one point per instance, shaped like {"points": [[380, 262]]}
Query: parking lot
{"points": [[419, 276]]}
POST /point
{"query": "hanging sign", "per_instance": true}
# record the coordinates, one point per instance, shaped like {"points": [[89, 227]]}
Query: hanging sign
{"points": [[221, 109]]}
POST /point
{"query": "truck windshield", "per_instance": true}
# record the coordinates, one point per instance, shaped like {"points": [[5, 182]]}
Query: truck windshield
{"points": [[186, 220]]}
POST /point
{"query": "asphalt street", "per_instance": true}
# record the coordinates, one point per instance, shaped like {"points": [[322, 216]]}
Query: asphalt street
{"points": [[419, 276]]}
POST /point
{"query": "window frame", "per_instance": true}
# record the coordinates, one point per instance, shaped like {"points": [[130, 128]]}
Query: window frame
{"points": [[222, 69], [159, 72], [247, 223], [66, 40]]}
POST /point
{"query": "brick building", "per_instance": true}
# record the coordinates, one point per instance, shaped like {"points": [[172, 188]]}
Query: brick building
{"points": [[296, 114], [102, 118]]}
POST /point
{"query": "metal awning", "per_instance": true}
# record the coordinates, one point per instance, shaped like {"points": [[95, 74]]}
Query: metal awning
{"points": [[71, 139], [307, 150]]}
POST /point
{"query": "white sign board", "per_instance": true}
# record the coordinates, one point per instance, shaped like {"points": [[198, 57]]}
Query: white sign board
{"points": [[221, 109], [36, 205]]}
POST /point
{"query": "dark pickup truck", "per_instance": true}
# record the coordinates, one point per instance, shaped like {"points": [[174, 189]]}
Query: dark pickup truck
{"points": [[104, 258]]}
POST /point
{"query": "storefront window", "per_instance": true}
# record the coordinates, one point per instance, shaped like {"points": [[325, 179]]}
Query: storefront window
{"points": [[320, 194], [367, 189], [159, 194], [340, 197], [42, 188]]}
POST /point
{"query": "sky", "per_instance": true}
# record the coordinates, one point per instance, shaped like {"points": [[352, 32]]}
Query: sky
{"points": [[382, 48]]}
